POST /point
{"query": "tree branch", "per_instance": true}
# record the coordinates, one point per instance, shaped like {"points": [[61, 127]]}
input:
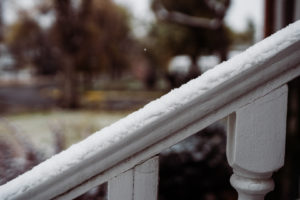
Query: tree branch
{"points": [[178, 17], [218, 7]]}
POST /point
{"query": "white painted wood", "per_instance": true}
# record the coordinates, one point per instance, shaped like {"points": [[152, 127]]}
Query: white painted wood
{"points": [[256, 144], [121, 187], [181, 134], [146, 180], [139, 183], [232, 93], [251, 189]]}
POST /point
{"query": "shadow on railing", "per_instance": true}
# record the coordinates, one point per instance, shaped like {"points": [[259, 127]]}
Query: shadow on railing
{"points": [[249, 88]]}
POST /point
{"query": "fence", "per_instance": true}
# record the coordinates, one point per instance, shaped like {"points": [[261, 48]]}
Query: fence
{"points": [[249, 90]]}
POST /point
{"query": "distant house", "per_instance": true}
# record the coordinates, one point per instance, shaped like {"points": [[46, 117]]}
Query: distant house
{"points": [[280, 13]]}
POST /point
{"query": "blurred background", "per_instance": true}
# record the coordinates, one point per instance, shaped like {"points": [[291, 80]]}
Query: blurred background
{"points": [[71, 67]]}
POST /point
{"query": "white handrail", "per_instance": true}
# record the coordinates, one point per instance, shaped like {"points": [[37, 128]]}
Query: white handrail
{"points": [[164, 122]]}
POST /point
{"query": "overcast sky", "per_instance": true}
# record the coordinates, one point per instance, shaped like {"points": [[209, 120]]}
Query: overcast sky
{"points": [[239, 12]]}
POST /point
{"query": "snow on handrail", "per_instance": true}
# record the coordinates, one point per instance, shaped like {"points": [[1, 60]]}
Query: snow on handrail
{"points": [[269, 64]]}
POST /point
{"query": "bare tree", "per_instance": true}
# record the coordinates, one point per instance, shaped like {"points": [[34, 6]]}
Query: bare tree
{"points": [[184, 19]]}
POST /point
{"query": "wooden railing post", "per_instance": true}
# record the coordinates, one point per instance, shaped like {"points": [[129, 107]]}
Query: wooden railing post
{"points": [[139, 183], [256, 144]]}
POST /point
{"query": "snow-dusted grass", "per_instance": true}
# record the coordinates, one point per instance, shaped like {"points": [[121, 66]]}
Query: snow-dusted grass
{"points": [[74, 125]]}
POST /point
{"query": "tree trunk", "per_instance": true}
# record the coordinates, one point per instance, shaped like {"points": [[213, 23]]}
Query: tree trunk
{"points": [[70, 90], [223, 54], [194, 70]]}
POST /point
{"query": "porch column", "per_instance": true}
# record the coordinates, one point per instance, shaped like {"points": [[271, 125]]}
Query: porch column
{"points": [[256, 144]]}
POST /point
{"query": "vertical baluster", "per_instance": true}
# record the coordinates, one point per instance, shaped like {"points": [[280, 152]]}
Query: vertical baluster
{"points": [[121, 186], [139, 183], [256, 143], [146, 180]]}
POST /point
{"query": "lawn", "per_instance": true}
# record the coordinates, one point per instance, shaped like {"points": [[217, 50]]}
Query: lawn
{"points": [[39, 128]]}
